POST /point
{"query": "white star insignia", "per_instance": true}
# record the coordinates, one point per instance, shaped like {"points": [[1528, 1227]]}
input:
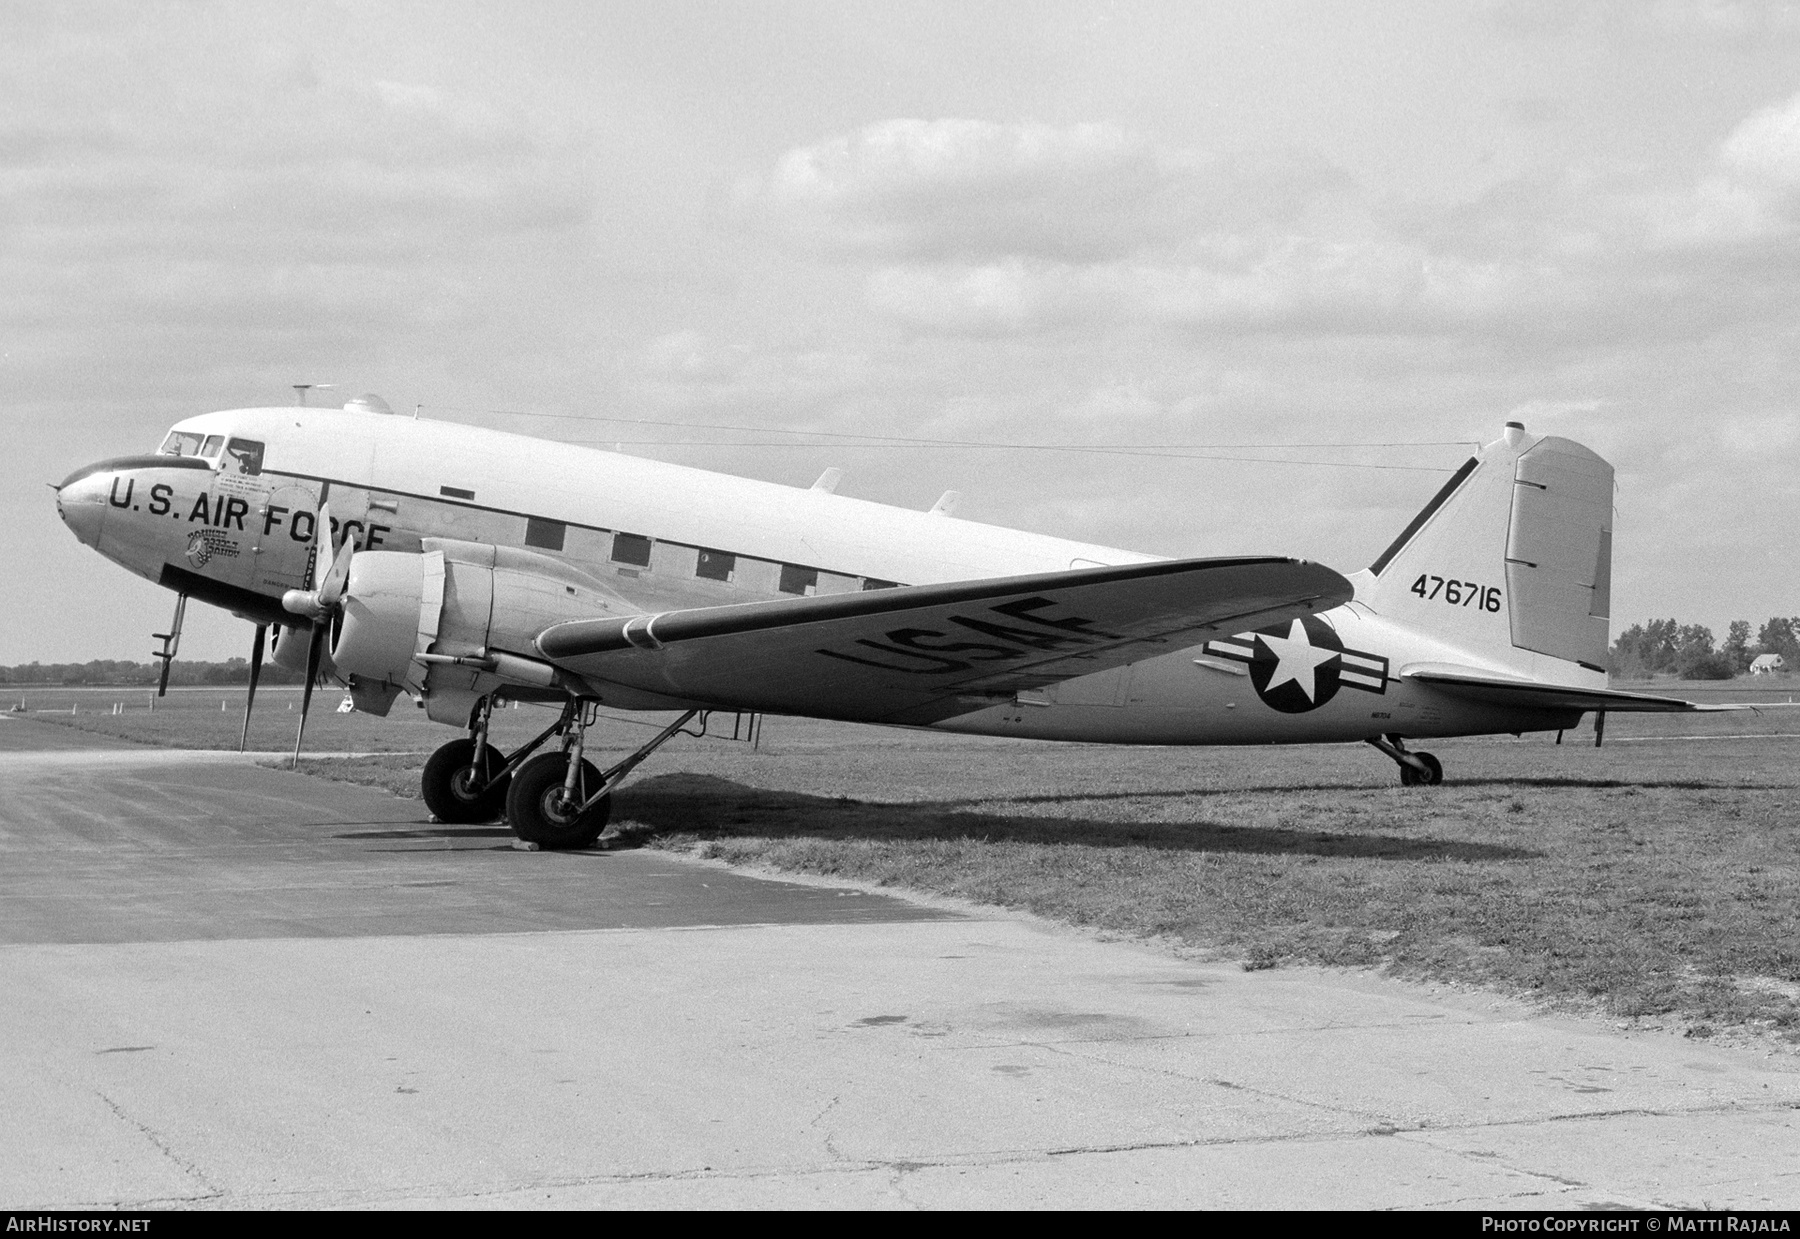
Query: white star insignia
{"points": [[1297, 660]]}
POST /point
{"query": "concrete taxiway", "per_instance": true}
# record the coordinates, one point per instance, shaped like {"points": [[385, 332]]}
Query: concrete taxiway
{"points": [[230, 986]]}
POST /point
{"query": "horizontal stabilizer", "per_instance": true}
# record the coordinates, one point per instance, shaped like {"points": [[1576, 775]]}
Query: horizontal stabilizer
{"points": [[917, 654], [1499, 690]]}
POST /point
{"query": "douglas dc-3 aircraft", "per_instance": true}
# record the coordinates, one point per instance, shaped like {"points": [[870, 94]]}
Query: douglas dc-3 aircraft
{"points": [[468, 567]]}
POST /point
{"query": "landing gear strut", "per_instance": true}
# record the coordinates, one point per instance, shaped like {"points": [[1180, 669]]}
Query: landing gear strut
{"points": [[561, 800], [1416, 769]]}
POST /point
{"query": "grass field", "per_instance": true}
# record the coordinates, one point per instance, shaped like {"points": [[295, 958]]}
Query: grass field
{"points": [[1656, 879]]}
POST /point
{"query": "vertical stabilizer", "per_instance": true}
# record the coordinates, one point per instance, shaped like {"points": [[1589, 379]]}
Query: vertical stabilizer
{"points": [[1512, 558]]}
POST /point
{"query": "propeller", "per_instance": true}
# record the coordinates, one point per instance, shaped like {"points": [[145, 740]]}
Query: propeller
{"points": [[256, 657], [320, 607], [315, 647]]}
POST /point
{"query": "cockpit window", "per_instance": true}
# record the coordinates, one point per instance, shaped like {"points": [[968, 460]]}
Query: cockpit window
{"points": [[246, 455], [210, 449], [180, 443]]}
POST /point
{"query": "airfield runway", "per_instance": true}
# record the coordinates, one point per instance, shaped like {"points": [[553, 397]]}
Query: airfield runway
{"points": [[230, 986]]}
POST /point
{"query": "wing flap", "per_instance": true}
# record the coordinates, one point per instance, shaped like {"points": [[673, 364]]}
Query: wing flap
{"points": [[916, 654], [1491, 689]]}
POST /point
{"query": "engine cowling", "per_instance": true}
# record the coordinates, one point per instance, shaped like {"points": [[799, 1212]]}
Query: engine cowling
{"points": [[468, 608], [287, 646]]}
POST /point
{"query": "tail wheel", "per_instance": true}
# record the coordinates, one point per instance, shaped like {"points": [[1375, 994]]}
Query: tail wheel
{"points": [[537, 812], [455, 791], [1410, 777]]}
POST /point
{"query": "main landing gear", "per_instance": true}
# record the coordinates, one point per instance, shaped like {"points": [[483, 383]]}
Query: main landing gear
{"points": [[555, 800], [561, 800], [1416, 769], [466, 780]]}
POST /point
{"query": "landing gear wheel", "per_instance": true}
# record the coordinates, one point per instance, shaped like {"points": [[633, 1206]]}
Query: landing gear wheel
{"points": [[537, 812], [452, 790], [1414, 778]]}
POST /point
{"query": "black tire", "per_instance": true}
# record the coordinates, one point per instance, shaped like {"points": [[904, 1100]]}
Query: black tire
{"points": [[450, 788], [535, 810], [1429, 777]]}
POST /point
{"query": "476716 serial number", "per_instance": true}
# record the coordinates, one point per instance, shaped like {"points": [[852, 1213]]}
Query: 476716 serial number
{"points": [[1457, 593]]}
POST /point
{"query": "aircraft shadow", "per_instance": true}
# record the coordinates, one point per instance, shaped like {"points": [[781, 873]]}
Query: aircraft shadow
{"points": [[431, 832], [1507, 782], [706, 804]]}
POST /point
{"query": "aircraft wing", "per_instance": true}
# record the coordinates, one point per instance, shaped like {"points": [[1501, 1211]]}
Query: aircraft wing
{"points": [[1498, 690], [917, 654]]}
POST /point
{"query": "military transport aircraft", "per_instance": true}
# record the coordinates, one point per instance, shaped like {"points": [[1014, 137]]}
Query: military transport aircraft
{"points": [[468, 567]]}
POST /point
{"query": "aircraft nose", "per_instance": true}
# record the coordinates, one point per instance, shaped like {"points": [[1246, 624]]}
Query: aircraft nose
{"points": [[81, 502]]}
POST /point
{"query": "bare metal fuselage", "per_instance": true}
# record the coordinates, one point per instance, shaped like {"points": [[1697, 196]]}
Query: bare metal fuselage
{"points": [[664, 537]]}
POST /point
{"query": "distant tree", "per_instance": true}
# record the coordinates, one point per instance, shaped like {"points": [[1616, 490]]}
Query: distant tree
{"points": [[1644, 650], [1626, 661], [116, 672], [1737, 645], [1695, 658]]}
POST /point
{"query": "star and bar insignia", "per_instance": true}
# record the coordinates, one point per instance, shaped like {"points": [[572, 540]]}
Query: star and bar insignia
{"points": [[1300, 666]]}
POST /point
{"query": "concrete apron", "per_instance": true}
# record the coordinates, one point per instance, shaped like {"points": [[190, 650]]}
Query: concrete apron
{"points": [[961, 1062]]}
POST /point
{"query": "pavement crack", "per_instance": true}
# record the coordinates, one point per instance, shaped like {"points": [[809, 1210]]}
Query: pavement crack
{"points": [[825, 1137], [187, 1166]]}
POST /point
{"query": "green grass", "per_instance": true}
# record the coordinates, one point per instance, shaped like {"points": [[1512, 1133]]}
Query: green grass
{"points": [[1657, 880]]}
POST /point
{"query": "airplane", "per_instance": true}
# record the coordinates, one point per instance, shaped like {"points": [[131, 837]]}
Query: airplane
{"points": [[468, 568]]}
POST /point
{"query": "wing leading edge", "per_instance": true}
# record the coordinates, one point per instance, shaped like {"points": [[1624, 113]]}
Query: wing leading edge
{"points": [[918, 654]]}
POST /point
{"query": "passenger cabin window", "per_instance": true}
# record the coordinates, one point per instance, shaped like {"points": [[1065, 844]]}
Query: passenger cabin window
{"points": [[246, 455], [631, 548], [180, 443], [715, 566], [798, 580], [545, 535]]}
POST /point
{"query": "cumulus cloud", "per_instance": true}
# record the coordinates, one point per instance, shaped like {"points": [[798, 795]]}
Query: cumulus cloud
{"points": [[1765, 149], [1725, 21], [962, 190], [978, 229], [1752, 192], [984, 229], [201, 188]]}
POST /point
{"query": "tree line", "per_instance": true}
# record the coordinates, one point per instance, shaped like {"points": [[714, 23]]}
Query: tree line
{"points": [[114, 672], [1663, 647]]}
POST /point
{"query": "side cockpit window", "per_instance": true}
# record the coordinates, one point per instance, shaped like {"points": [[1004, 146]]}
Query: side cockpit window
{"points": [[180, 443], [212, 447], [244, 455]]}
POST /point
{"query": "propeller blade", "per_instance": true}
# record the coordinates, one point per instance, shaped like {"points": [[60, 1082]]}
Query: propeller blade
{"points": [[325, 579], [322, 541], [315, 647], [256, 657], [332, 590]]}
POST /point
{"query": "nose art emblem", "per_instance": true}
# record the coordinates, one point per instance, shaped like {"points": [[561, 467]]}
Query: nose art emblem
{"points": [[204, 545]]}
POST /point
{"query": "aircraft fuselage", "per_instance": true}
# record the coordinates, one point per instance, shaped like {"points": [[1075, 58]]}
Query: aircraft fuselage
{"points": [[236, 526]]}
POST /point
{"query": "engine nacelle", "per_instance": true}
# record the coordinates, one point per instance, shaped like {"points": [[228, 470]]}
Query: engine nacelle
{"points": [[287, 647], [446, 622]]}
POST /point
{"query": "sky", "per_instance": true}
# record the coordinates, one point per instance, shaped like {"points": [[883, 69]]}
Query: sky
{"points": [[1294, 258]]}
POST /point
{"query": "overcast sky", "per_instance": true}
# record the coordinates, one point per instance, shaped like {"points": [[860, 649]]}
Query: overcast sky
{"points": [[1081, 223]]}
